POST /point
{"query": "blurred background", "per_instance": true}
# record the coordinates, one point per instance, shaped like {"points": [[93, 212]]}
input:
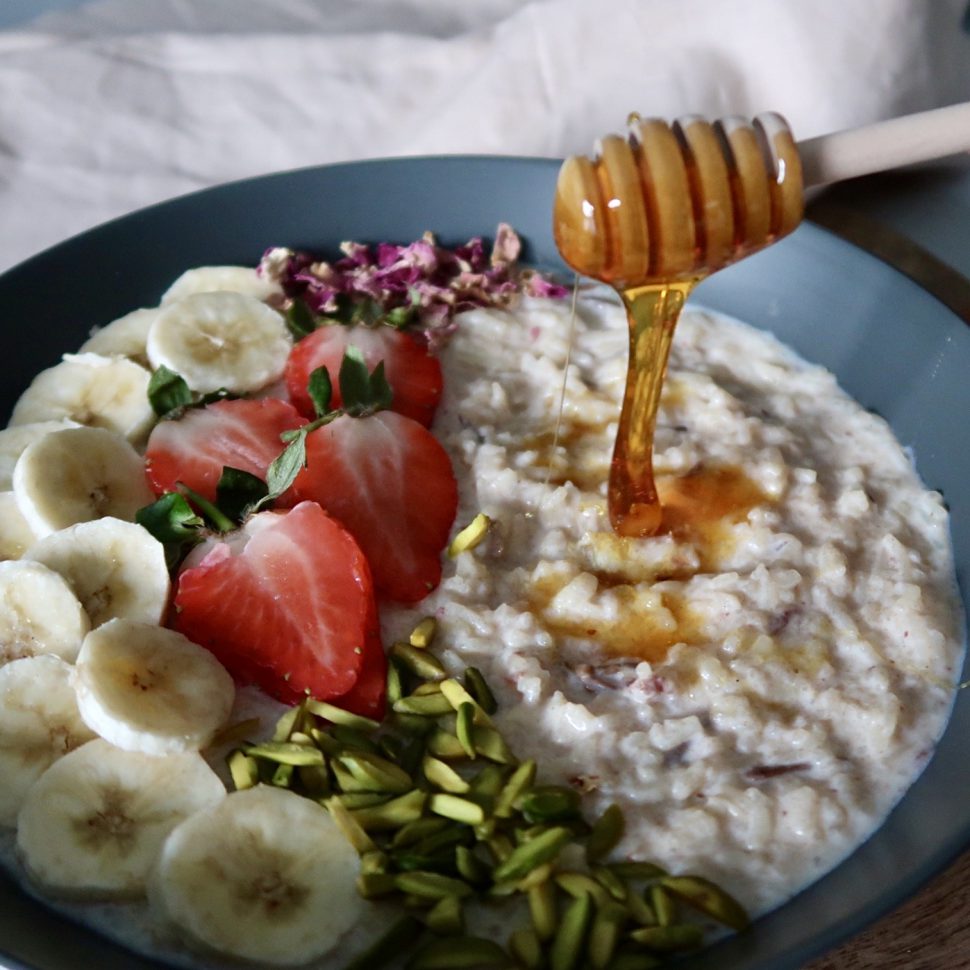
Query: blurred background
{"points": [[109, 105]]}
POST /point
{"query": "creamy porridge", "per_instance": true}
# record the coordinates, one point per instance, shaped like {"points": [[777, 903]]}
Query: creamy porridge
{"points": [[757, 685]]}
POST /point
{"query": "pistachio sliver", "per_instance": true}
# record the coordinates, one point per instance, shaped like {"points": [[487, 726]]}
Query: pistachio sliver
{"points": [[464, 728], [637, 870], [543, 909], [477, 686], [350, 827], [567, 946], [415, 832], [315, 780], [443, 776], [444, 744], [458, 695], [370, 772], [427, 705], [683, 936], [611, 882], [283, 776], [395, 686], [348, 737], [490, 744], [459, 953], [606, 833], [363, 799], [520, 780], [639, 909], [431, 885], [243, 770], [709, 898], [663, 905], [400, 936], [549, 803], [524, 858], [337, 715], [578, 884], [459, 809], [393, 814], [287, 753], [604, 934], [421, 663], [469, 537], [371, 885], [471, 867], [526, 948], [446, 917], [423, 634], [239, 731], [288, 723]]}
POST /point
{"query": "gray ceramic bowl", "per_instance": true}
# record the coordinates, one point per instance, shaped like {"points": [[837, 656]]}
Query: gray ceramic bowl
{"points": [[894, 347]]}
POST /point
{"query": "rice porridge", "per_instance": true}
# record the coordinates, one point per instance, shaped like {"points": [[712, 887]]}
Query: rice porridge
{"points": [[757, 686]]}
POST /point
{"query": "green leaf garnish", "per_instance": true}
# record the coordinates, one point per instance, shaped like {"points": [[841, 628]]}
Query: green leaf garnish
{"points": [[320, 389], [167, 391], [400, 317], [300, 319], [213, 515], [170, 518], [286, 466], [363, 393], [238, 491]]}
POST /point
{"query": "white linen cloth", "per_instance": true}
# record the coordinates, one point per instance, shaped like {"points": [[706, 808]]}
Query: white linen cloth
{"points": [[121, 103]]}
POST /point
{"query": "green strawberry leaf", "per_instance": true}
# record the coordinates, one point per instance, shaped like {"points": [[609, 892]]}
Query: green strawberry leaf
{"points": [[363, 393], [238, 491], [168, 391], [286, 466], [320, 389], [300, 320], [172, 521]]}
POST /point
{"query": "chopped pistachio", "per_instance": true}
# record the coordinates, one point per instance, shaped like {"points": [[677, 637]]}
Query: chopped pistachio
{"points": [[606, 833], [363, 799], [444, 744], [526, 947], [402, 934], [427, 705], [350, 827], [243, 770], [287, 753], [578, 884], [287, 724], [663, 905], [637, 870], [458, 695], [374, 862], [283, 776], [361, 771], [524, 858], [520, 780], [549, 803], [337, 715], [431, 885], [490, 744], [414, 832], [393, 814], [610, 882], [709, 898], [471, 867], [370, 885], [348, 737], [443, 776], [446, 917], [477, 686], [470, 536], [683, 936], [459, 809], [395, 686], [567, 948], [423, 634], [421, 663], [315, 779], [239, 731], [543, 909], [604, 934], [459, 953], [464, 728], [639, 909]]}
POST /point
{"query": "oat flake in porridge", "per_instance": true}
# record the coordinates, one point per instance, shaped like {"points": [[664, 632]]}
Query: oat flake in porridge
{"points": [[757, 685]]}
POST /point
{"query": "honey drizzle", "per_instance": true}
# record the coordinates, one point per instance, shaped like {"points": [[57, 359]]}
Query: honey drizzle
{"points": [[652, 313]]}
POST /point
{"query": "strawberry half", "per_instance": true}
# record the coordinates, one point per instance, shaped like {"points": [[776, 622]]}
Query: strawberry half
{"points": [[287, 603], [242, 434], [388, 480], [414, 375]]}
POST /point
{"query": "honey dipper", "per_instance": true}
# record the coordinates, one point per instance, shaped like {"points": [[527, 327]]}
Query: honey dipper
{"points": [[656, 211]]}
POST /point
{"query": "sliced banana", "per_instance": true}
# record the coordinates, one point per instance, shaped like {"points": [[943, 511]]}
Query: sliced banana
{"points": [[124, 337], [265, 876], [16, 536], [146, 688], [220, 340], [115, 568], [77, 475], [217, 279], [14, 440], [39, 723], [39, 613], [93, 390], [92, 825]]}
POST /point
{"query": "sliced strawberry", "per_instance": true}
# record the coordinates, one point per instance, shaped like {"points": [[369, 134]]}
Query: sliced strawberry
{"points": [[367, 696], [389, 481], [243, 434], [287, 603], [414, 375]]}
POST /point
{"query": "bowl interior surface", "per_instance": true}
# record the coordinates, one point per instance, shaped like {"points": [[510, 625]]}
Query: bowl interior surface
{"points": [[893, 347]]}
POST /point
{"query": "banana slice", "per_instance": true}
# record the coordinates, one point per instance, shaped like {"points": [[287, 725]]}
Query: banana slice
{"points": [[220, 340], [39, 723], [97, 391], [116, 569], [93, 824], [217, 279], [77, 475], [124, 337], [16, 536], [146, 688], [39, 613], [265, 876], [13, 441]]}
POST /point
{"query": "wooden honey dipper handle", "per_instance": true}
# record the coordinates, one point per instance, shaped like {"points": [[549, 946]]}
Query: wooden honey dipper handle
{"points": [[913, 138]]}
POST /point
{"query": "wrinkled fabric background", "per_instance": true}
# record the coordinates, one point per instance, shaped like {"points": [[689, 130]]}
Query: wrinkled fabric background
{"points": [[114, 104]]}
